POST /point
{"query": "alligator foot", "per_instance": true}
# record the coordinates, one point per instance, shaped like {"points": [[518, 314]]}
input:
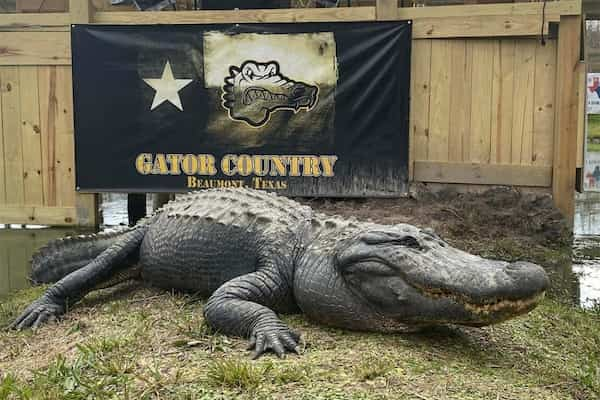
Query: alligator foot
{"points": [[39, 312], [274, 337]]}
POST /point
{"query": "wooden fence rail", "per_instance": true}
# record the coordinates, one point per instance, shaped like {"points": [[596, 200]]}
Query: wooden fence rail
{"points": [[489, 103]]}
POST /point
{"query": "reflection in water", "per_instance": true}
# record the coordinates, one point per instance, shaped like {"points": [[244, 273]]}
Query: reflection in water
{"points": [[564, 285], [587, 214], [587, 268], [18, 245], [16, 248], [587, 247], [114, 209]]}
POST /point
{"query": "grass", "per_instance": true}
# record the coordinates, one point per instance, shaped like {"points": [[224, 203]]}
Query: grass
{"points": [[236, 374], [593, 125], [593, 132], [136, 342]]}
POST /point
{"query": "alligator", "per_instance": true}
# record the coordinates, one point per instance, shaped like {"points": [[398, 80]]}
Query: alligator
{"points": [[255, 255], [253, 91]]}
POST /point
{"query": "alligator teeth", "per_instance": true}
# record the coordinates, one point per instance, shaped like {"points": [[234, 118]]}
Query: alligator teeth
{"points": [[251, 95], [498, 305], [517, 305]]}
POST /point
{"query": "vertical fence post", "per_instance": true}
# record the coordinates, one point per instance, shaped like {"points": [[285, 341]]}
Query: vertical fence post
{"points": [[81, 11], [86, 204], [565, 135], [386, 9]]}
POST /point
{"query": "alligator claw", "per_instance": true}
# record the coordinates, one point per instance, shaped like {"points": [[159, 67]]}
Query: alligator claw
{"points": [[278, 340], [38, 313]]}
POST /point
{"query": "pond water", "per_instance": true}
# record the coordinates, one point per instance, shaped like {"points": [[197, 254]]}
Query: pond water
{"points": [[578, 283], [586, 247]]}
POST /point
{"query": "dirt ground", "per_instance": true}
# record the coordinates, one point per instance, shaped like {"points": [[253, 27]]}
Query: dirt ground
{"points": [[500, 222]]}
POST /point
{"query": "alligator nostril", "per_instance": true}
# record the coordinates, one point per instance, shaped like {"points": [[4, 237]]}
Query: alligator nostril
{"points": [[514, 267], [531, 275]]}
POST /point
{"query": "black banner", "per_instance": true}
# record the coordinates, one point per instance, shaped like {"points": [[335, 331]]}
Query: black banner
{"points": [[305, 109]]}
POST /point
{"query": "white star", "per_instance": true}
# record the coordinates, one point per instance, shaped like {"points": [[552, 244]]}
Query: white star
{"points": [[167, 88]]}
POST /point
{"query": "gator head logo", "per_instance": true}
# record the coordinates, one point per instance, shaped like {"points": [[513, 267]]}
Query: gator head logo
{"points": [[254, 91]]}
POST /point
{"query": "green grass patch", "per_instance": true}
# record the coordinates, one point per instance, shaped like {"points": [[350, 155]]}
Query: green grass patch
{"points": [[371, 368], [12, 306], [160, 348], [236, 374]]}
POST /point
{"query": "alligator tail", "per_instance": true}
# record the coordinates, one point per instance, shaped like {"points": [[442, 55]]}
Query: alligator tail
{"points": [[63, 256]]}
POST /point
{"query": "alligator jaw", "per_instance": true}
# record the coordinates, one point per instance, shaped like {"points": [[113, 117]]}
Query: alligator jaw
{"points": [[491, 312], [497, 305], [253, 94]]}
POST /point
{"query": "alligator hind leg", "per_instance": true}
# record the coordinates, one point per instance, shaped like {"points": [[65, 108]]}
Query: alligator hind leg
{"points": [[245, 306], [76, 285]]}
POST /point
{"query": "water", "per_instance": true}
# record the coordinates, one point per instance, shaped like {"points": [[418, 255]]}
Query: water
{"points": [[587, 248], [579, 283], [18, 243]]}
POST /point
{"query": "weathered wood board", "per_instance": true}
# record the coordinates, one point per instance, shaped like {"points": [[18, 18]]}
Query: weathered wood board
{"points": [[37, 177], [484, 101], [484, 92]]}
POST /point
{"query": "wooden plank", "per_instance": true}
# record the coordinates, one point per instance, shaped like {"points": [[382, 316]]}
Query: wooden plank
{"points": [[345, 14], [439, 115], [532, 11], [386, 9], [80, 11], [34, 21], [2, 168], [481, 105], [483, 174], [65, 147], [581, 120], [35, 48], [565, 137], [420, 99], [48, 111], [13, 145], [553, 10], [87, 210], [476, 26], [30, 133], [59, 216], [502, 102], [544, 110], [461, 66], [423, 28], [523, 102]]}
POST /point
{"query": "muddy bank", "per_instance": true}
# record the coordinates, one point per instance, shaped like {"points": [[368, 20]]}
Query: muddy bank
{"points": [[495, 214]]}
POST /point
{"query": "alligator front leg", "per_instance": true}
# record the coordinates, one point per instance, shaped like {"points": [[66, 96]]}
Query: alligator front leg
{"points": [[245, 307], [76, 285]]}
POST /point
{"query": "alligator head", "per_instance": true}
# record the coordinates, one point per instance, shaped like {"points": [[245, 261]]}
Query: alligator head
{"points": [[255, 90], [393, 278]]}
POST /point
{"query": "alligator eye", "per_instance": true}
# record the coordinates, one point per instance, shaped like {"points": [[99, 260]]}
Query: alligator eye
{"points": [[298, 91], [383, 238], [409, 241]]}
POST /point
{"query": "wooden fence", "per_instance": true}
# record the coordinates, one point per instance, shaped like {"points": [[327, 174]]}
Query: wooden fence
{"points": [[489, 103]]}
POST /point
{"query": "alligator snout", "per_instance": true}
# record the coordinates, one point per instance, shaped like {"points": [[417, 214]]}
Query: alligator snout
{"points": [[303, 95], [528, 279]]}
